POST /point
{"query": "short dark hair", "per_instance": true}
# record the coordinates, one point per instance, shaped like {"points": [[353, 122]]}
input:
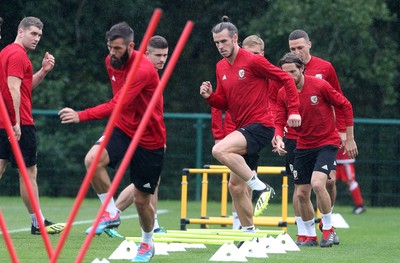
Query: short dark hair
{"points": [[298, 33], [120, 30], [30, 21], [225, 24], [158, 42], [291, 58]]}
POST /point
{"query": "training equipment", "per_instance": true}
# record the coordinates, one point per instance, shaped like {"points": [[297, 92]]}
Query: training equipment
{"points": [[279, 221], [51, 228], [106, 222]]}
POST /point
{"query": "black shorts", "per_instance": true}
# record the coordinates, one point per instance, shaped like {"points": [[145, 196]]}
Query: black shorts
{"points": [[306, 161], [257, 137], [145, 166], [27, 144], [290, 146]]}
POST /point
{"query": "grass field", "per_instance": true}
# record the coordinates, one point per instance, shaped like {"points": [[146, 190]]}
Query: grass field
{"points": [[372, 236]]}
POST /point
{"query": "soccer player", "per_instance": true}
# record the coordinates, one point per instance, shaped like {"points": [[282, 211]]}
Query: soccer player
{"points": [[316, 148], [147, 162], [242, 90], [17, 82], [299, 43], [223, 126]]}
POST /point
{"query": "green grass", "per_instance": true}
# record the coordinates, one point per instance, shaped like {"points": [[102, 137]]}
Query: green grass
{"points": [[372, 236]]}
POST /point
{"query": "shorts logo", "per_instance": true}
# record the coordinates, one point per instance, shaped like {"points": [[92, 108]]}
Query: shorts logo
{"points": [[314, 99], [325, 167], [146, 185], [295, 175], [241, 74]]}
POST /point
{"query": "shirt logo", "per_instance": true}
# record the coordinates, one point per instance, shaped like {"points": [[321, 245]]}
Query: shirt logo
{"points": [[314, 99], [241, 74], [318, 76], [113, 78], [224, 77]]}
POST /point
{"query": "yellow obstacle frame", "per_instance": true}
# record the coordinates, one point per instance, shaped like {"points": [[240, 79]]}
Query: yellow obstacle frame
{"points": [[278, 221]]}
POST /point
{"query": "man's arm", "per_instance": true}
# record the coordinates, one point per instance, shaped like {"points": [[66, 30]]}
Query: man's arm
{"points": [[14, 85], [47, 65]]}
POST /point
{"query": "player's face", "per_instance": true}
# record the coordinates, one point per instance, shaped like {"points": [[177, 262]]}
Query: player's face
{"points": [[158, 56], [255, 49], [29, 37], [224, 43], [301, 47], [294, 71], [119, 52]]}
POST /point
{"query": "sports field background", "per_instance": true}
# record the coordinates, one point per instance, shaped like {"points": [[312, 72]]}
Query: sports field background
{"points": [[372, 236]]}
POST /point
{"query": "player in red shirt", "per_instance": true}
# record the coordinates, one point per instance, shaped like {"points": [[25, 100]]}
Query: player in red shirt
{"points": [[157, 52], [243, 91], [317, 143], [147, 162], [220, 126], [17, 82]]}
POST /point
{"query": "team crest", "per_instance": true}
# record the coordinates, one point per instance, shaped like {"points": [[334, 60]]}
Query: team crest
{"points": [[318, 76], [295, 175], [241, 73], [314, 99]]}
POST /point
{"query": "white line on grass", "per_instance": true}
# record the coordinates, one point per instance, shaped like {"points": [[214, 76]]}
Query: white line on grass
{"points": [[160, 211]]}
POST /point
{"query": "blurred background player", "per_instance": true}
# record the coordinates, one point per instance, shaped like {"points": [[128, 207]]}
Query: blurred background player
{"points": [[17, 82]]}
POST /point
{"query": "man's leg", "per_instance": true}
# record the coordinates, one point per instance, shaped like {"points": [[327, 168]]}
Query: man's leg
{"points": [[303, 193], [3, 165], [101, 184], [242, 201]]}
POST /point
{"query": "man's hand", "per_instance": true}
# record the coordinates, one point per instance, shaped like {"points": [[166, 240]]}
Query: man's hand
{"points": [[205, 89], [68, 115], [17, 131], [350, 147], [48, 62], [279, 146], [294, 120]]}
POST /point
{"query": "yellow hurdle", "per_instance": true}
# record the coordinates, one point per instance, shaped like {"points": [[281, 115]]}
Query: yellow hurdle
{"points": [[278, 221]]}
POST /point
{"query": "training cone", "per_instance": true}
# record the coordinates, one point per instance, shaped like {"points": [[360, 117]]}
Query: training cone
{"points": [[161, 248], [253, 249], [287, 242], [228, 252], [126, 250], [103, 260], [338, 221], [271, 245]]}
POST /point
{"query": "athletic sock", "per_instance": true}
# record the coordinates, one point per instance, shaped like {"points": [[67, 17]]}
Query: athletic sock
{"points": [[111, 207], [34, 220], [310, 227], [301, 228], [355, 192], [236, 221], [147, 237], [156, 225], [326, 221], [255, 184]]}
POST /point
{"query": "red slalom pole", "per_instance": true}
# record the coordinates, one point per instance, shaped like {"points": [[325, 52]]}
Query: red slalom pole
{"points": [[7, 238], [107, 134], [22, 168], [142, 126]]}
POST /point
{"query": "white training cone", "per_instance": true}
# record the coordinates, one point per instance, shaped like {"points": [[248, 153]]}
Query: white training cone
{"points": [[253, 249], [228, 252], [271, 245], [126, 250], [176, 247], [187, 245], [287, 242], [338, 221], [103, 260], [161, 248]]}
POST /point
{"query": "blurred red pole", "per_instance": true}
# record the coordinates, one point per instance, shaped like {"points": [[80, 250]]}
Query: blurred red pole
{"points": [[22, 168], [109, 128], [142, 126], [7, 239]]}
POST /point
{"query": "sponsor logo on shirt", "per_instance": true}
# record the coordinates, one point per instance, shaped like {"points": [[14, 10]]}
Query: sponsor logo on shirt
{"points": [[314, 99], [241, 74], [319, 75], [224, 77], [113, 78]]}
